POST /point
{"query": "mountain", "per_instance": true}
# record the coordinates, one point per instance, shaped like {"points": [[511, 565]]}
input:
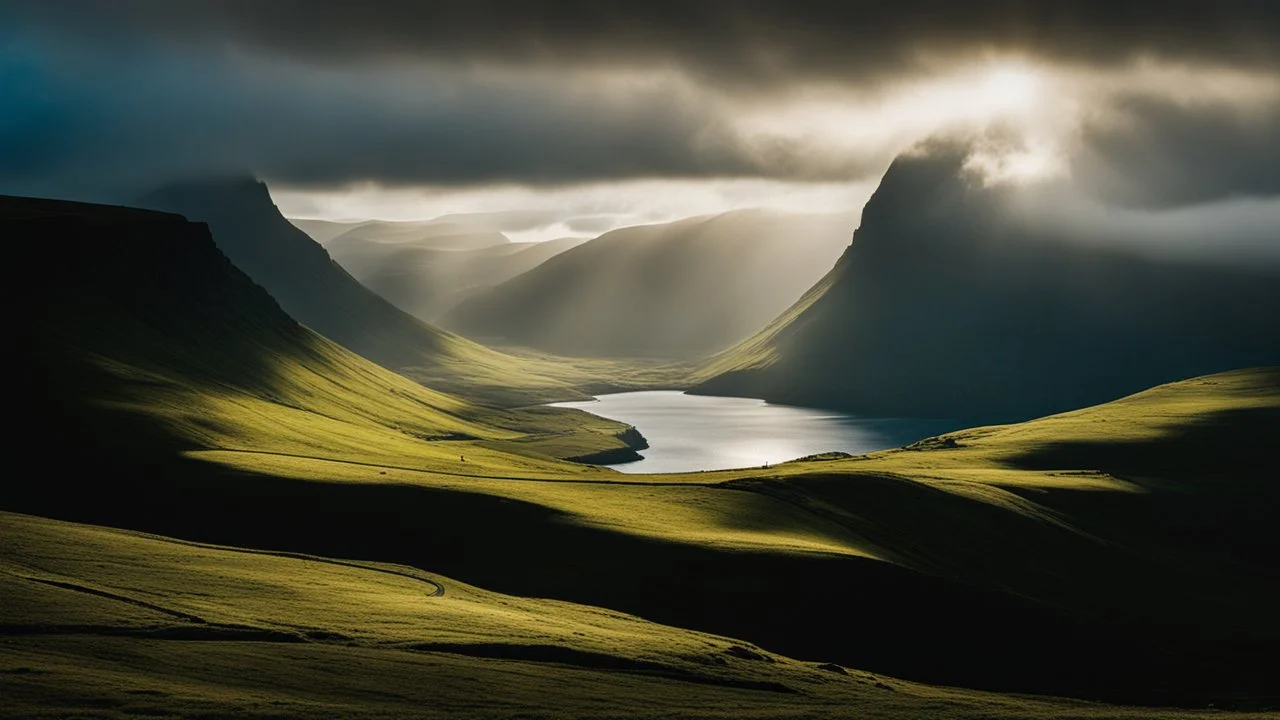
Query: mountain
{"points": [[678, 289], [148, 342], [426, 281], [455, 230], [306, 282], [954, 301], [433, 234]]}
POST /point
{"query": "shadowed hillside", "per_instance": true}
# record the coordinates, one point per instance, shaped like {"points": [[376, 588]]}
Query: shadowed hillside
{"points": [[150, 341], [321, 295], [114, 624], [680, 289], [954, 302]]}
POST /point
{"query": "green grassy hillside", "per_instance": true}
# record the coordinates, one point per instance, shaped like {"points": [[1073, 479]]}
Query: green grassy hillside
{"points": [[111, 624], [1136, 534], [1123, 553], [148, 320], [681, 289]]}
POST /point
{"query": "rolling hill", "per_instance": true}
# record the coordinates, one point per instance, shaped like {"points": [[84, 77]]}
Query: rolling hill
{"points": [[306, 282], [679, 289], [130, 625], [954, 301], [1124, 552]]}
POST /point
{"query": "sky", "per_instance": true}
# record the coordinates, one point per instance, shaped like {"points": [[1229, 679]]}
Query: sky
{"points": [[603, 113]]}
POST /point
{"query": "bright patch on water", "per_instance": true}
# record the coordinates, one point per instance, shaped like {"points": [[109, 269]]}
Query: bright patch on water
{"points": [[698, 432]]}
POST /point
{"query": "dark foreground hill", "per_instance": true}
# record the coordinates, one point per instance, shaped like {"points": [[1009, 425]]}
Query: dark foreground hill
{"points": [[306, 282], [679, 289], [952, 301]]}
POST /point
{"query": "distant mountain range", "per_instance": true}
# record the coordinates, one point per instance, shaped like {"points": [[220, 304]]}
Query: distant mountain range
{"points": [[433, 234], [427, 268], [680, 289], [950, 303]]}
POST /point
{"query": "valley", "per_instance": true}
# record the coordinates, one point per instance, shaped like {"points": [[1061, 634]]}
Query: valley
{"points": [[274, 473]]}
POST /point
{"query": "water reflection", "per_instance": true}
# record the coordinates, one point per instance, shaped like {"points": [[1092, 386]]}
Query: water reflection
{"points": [[698, 432]]}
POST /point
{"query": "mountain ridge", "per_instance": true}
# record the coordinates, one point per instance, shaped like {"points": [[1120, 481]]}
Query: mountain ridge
{"points": [[315, 290], [949, 303]]}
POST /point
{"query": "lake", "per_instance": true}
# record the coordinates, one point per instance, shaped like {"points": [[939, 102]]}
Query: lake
{"points": [[700, 432]]}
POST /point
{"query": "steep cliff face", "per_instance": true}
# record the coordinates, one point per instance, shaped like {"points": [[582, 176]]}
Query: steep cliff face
{"points": [[950, 302]]}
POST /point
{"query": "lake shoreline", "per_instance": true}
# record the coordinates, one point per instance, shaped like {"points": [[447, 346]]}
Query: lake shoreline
{"points": [[689, 432]]}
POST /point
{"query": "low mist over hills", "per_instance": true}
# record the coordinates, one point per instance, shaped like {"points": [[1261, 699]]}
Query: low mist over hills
{"points": [[433, 234], [427, 268], [678, 289], [955, 301]]}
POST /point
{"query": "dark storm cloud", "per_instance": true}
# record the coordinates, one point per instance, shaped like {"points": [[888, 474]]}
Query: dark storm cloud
{"points": [[131, 121], [98, 95], [1155, 152], [747, 41]]}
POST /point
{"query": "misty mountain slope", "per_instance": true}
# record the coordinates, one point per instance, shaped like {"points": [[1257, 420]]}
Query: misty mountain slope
{"points": [[435, 234], [680, 289], [960, 300], [148, 341], [427, 281], [306, 282], [323, 231]]}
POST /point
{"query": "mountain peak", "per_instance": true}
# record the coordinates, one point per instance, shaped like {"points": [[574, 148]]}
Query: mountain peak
{"points": [[229, 193]]}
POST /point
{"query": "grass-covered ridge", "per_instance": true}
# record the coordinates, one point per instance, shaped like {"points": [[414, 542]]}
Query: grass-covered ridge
{"points": [[115, 624], [1139, 526]]}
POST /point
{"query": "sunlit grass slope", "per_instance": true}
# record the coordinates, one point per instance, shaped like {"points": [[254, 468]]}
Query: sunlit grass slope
{"points": [[112, 624], [149, 338], [1122, 552]]}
